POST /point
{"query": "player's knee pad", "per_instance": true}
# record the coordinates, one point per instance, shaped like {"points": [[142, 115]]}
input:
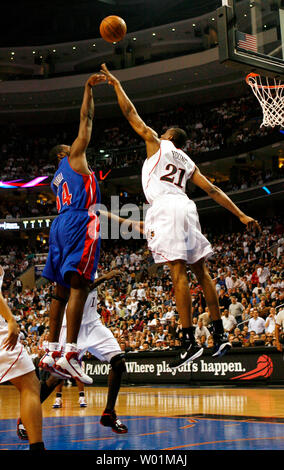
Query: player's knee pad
{"points": [[118, 363]]}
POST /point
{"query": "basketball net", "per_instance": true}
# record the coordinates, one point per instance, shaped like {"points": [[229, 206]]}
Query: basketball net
{"points": [[270, 94]]}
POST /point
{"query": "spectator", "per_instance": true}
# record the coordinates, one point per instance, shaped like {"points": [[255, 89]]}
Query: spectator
{"points": [[106, 315], [270, 321], [229, 322], [205, 317], [263, 274], [236, 309], [201, 333], [256, 323]]}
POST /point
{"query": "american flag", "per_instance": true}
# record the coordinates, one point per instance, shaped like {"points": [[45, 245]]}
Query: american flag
{"points": [[246, 41]]}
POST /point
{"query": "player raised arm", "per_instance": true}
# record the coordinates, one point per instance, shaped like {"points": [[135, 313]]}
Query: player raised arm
{"points": [[221, 198], [129, 111], [78, 149], [105, 277]]}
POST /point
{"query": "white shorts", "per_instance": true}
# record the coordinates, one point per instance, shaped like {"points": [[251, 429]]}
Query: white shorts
{"points": [[14, 363], [173, 230], [95, 338]]}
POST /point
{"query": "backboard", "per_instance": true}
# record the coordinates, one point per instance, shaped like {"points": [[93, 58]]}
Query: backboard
{"points": [[250, 35]]}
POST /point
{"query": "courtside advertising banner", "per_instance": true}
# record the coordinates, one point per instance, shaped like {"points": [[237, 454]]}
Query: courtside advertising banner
{"points": [[261, 365]]}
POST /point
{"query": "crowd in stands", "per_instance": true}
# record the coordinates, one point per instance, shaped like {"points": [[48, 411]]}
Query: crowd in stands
{"points": [[33, 207], [210, 127], [230, 124], [139, 306]]}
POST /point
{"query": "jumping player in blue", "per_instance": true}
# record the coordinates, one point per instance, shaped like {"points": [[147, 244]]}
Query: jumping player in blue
{"points": [[74, 242]]}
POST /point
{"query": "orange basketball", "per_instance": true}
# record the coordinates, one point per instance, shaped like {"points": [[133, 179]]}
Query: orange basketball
{"points": [[113, 28]]}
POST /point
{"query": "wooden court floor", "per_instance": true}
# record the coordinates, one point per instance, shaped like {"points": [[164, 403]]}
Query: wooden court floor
{"points": [[158, 418]]}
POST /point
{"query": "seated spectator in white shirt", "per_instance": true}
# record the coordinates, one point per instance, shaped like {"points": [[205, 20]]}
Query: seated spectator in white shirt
{"points": [[201, 333], [256, 323], [229, 322], [169, 313]]}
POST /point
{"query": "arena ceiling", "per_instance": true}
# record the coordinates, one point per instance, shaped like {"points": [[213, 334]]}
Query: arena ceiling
{"points": [[60, 23], [30, 22]]}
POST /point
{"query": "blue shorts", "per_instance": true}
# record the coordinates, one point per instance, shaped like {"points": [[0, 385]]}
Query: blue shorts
{"points": [[74, 245]]}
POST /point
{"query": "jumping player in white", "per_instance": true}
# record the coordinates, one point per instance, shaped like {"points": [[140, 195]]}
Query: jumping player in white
{"points": [[172, 224]]}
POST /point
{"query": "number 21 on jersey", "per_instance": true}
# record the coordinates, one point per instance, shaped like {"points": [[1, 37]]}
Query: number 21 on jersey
{"points": [[171, 177], [66, 197]]}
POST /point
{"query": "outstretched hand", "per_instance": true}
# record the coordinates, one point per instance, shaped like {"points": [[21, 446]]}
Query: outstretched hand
{"points": [[95, 79], [252, 224], [112, 80], [113, 273]]}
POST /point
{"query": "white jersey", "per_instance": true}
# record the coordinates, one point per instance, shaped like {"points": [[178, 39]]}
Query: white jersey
{"points": [[93, 336], [166, 172], [90, 312]]}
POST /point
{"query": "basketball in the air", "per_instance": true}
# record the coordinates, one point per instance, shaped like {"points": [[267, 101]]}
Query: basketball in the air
{"points": [[113, 28]]}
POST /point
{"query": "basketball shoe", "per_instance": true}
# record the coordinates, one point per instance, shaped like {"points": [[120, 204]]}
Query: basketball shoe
{"points": [[71, 364], [110, 419], [189, 352], [49, 363], [21, 431], [221, 345], [82, 402], [57, 403]]}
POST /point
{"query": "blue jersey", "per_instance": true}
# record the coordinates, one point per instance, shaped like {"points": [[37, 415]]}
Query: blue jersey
{"points": [[74, 190], [74, 239]]}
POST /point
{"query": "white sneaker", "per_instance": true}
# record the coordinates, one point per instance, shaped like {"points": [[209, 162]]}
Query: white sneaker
{"points": [[57, 403], [71, 364], [82, 402], [49, 363]]}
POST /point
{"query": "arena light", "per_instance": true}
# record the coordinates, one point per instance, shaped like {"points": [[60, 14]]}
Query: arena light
{"points": [[34, 182], [17, 183], [266, 189]]}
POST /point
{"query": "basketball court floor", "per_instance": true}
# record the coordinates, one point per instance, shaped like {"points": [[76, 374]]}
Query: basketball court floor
{"points": [[158, 418]]}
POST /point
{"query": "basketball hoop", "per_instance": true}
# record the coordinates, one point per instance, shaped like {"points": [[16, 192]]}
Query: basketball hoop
{"points": [[270, 94]]}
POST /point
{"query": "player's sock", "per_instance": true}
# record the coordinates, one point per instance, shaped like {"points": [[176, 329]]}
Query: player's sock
{"points": [[221, 343], [82, 400], [54, 347], [218, 328], [46, 390], [188, 335], [70, 347], [58, 401], [37, 446]]}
